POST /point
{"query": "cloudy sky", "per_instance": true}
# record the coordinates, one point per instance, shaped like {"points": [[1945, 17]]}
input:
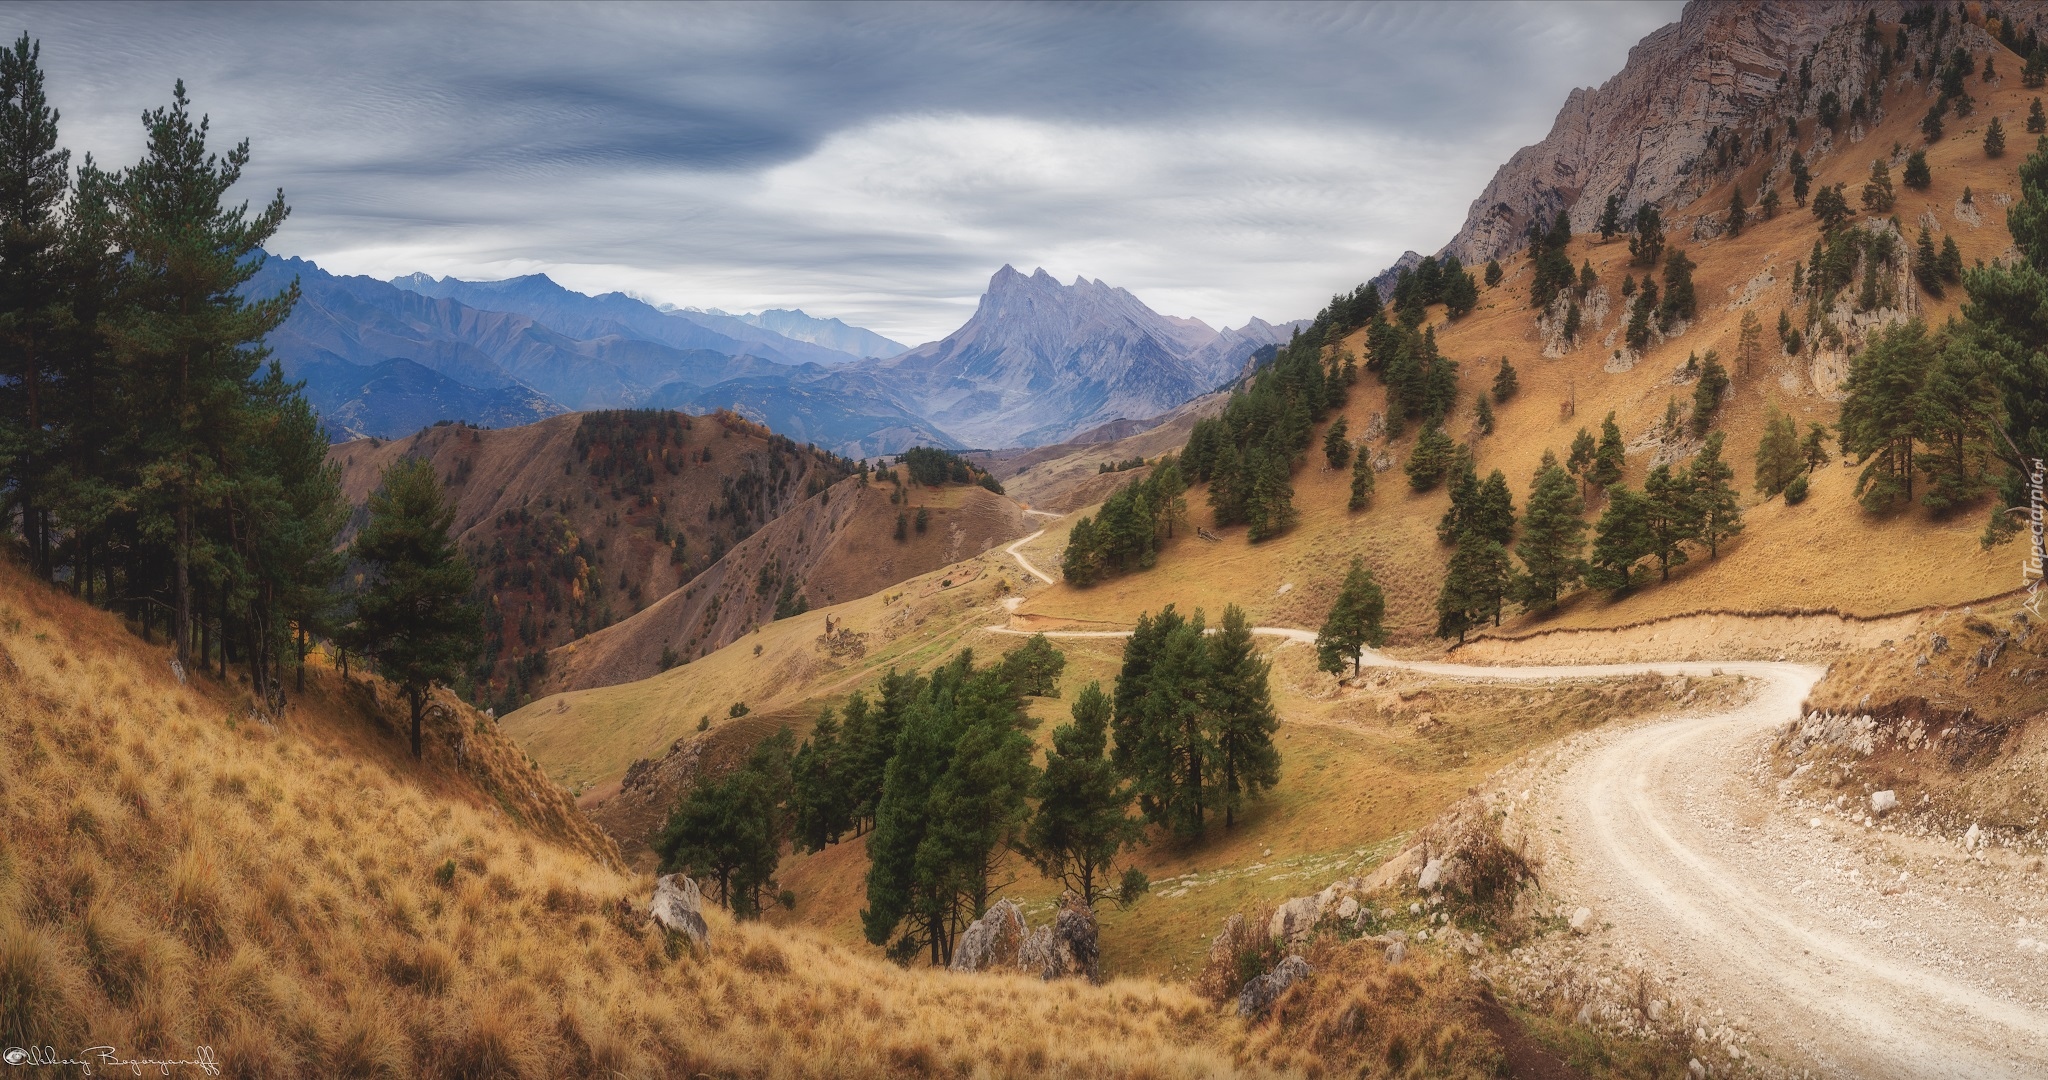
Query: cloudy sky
{"points": [[875, 163]]}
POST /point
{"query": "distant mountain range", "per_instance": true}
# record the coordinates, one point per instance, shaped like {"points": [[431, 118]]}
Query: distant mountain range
{"points": [[1038, 361]]}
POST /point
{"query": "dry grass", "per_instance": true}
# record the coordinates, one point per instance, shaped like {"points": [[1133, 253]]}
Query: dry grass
{"points": [[310, 902], [1824, 553]]}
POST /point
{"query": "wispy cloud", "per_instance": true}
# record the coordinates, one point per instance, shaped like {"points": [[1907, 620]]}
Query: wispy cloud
{"points": [[874, 162]]}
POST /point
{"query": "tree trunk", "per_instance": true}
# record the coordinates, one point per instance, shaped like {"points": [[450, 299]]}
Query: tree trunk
{"points": [[183, 578], [418, 698], [301, 680]]}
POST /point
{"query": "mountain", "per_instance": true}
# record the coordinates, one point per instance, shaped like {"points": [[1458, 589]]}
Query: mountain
{"points": [[831, 333], [382, 400], [1647, 133], [579, 522], [1040, 361], [617, 314]]}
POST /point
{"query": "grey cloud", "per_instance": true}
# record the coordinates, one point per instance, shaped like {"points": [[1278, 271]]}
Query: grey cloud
{"points": [[630, 146]]}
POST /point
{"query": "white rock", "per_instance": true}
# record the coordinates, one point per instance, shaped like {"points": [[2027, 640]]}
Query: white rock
{"points": [[1582, 920], [1347, 907], [1657, 1009], [1971, 838], [678, 907], [1883, 800], [1814, 824], [1432, 874], [1694, 1069], [1396, 952]]}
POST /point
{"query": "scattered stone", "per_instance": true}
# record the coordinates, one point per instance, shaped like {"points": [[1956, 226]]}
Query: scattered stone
{"points": [[1695, 1070], [1973, 837], [1069, 947], [1396, 952], [1882, 801], [1415, 909], [1259, 994], [1347, 907], [1657, 1008], [1582, 920], [678, 907], [993, 941]]}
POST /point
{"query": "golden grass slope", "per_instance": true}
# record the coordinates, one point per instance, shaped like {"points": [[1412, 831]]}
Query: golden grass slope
{"points": [[305, 900], [1823, 554], [837, 545]]}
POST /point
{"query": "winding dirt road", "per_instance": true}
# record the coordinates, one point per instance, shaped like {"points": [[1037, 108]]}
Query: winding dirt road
{"points": [[1805, 932]]}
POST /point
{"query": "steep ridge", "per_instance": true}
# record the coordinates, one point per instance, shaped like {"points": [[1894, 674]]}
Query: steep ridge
{"points": [[581, 521], [1651, 133], [836, 546], [1823, 553], [1040, 361]]}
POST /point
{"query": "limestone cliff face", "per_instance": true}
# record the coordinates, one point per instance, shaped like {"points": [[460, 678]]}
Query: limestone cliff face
{"points": [[1652, 132]]}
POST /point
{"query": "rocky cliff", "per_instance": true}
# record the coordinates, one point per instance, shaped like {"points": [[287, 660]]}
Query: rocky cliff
{"points": [[1694, 98]]}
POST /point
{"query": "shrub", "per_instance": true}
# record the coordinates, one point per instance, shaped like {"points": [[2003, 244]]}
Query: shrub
{"points": [[1795, 492]]}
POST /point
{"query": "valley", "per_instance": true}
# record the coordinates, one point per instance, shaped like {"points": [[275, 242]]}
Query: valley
{"points": [[1608, 646]]}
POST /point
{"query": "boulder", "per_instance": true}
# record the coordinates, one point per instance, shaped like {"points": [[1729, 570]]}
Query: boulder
{"points": [[991, 942], [1432, 875], [1396, 952], [1293, 920], [1259, 994], [1882, 801], [1582, 920], [1971, 838], [1347, 907], [678, 908], [1068, 947]]}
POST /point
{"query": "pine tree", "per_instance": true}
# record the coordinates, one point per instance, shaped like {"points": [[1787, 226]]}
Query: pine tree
{"points": [[1161, 742], [1713, 384], [413, 615], [1583, 452], [1082, 821], [1430, 461], [1474, 587], [1241, 720], [1877, 191], [1464, 492], [1777, 454], [1738, 213], [1717, 515], [1610, 458], [1337, 445], [1553, 537], [1493, 272], [1227, 487], [1620, 540], [1994, 139], [1670, 519], [185, 335], [819, 787], [1880, 417], [1956, 414], [2035, 69], [1610, 217], [731, 831], [2037, 121], [1768, 203], [1034, 667], [1461, 293], [1815, 449], [1930, 125], [1951, 261], [1269, 505], [34, 174], [1504, 382], [1356, 620], [1492, 513], [1482, 415], [1362, 478], [1801, 178], [1081, 564], [1917, 175], [1830, 207], [1927, 265]]}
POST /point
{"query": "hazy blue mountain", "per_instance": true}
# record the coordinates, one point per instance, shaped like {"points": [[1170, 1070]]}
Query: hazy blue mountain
{"points": [[854, 341], [615, 314], [1040, 361], [398, 397]]}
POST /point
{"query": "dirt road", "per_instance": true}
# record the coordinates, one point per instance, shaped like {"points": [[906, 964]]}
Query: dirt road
{"points": [[1838, 945]]}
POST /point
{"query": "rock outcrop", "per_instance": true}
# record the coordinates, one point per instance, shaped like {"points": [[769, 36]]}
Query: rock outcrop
{"points": [[1654, 132], [992, 942], [678, 908], [1067, 948], [1259, 994]]}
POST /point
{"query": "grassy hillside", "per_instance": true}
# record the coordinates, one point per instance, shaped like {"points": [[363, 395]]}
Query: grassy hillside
{"points": [[835, 546], [580, 521], [1824, 553], [307, 901]]}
